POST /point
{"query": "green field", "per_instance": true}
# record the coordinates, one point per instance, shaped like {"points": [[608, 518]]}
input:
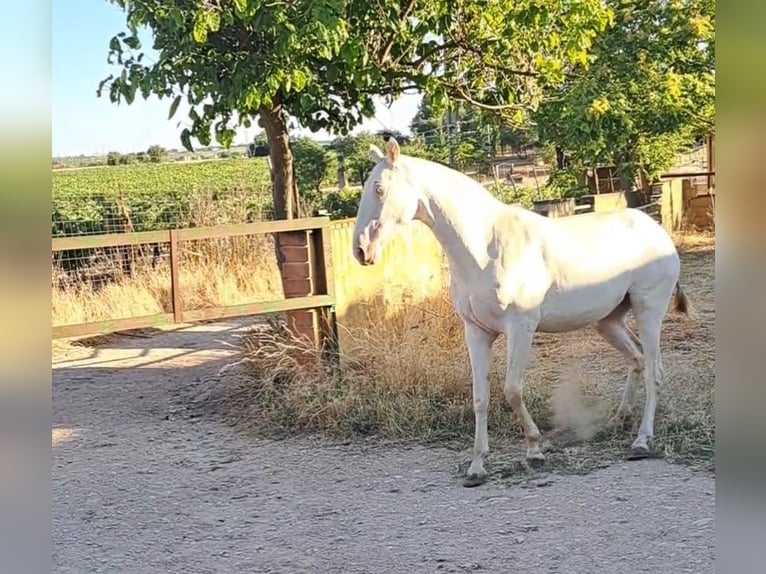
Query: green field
{"points": [[149, 196], [162, 178], [152, 196]]}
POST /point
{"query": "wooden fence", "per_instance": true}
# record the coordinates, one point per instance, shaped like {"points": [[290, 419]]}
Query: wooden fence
{"points": [[316, 245], [305, 238]]}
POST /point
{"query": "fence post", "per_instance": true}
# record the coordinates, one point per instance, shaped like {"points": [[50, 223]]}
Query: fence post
{"points": [[323, 283], [175, 285], [295, 270]]}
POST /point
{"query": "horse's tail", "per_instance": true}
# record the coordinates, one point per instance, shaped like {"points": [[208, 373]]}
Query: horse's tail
{"points": [[681, 302]]}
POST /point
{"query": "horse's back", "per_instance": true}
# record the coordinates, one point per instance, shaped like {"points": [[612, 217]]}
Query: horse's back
{"points": [[630, 231], [595, 260], [623, 247]]}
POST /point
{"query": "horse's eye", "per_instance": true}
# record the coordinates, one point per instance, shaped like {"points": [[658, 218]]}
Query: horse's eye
{"points": [[378, 188]]}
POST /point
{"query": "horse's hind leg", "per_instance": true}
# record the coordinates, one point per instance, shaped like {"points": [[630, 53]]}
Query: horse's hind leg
{"points": [[615, 332], [649, 318], [519, 349]]}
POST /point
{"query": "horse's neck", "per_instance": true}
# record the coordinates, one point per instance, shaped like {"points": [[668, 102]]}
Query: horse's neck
{"points": [[462, 219]]}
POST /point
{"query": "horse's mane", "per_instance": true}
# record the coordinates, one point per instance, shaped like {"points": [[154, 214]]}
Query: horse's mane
{"points": [[446, 171]]}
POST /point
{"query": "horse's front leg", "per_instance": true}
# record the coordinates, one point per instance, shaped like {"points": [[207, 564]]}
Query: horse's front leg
{"points": [[479, 343], [520, 336]]}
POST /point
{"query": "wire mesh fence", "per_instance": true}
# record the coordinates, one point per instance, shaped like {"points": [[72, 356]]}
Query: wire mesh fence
{"points": [[99, 283], [110, 283], [124, 281], [99, 213]]}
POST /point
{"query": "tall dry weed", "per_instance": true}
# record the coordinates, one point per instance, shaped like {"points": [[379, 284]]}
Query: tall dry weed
{"points": [[213, 272]]}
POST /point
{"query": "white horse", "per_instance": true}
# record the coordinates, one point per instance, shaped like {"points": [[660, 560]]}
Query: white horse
{"points": [[516, 272]]}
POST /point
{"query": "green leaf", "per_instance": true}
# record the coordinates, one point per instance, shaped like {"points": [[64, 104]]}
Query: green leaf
{"points": [[199, 32], [240, 6], [114, 45], [146, 87], [177, 16], [129, 92], [174, 107], [306, 102], [203, 135], [102, 83], [253, 99], [213, 19], [332, 72], [224, 136], [186, 139], [299, 80], [132, 42]]}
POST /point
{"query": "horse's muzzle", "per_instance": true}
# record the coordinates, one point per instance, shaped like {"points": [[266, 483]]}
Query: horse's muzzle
{"points": [[365, 253], [365, 249]]}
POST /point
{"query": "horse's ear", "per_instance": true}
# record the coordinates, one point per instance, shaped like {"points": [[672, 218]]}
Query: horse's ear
{"points": [[375, 154], [392, 149]]}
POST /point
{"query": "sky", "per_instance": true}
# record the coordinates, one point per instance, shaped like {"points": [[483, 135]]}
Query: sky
{"points": [[83, 123]]}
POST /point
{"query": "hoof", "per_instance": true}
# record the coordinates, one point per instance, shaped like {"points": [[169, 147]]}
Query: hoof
{"points": [[638, 453], [472, 480], [536, 461]]}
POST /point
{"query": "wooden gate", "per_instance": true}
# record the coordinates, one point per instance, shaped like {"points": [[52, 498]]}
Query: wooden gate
{"points": [[305, 238]]}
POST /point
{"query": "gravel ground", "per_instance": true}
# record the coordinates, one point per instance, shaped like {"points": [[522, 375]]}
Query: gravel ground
{"points": [[140, 486]]}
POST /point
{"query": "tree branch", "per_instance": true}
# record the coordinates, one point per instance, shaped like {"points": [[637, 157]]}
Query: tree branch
{"points": [[459, 93], [479, 53], [390, 45], [389, 91]]}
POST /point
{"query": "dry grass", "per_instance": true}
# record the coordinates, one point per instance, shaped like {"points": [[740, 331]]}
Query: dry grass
{"points": [[407, 377], [212, 273]]}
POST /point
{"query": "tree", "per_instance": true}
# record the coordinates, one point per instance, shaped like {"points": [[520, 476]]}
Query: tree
{"points": [[429, 124], [470, 132], [313, 165], [113, 158], [156, 153], [354, 153], [418, 147], [323, 61], [649, 89], [518, 138]]}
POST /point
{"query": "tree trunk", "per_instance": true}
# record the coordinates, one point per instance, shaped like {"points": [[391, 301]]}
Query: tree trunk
{"points": [[284, 188], [292, 247]]}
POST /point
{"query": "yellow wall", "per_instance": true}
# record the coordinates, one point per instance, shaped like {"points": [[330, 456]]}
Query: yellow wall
{"points": [[412, 268]]}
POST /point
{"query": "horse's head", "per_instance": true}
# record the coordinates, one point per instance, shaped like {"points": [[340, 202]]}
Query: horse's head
{"points": [[389, 199]]}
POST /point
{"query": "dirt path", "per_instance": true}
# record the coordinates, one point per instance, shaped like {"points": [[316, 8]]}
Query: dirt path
{"points": [[141, 487]]}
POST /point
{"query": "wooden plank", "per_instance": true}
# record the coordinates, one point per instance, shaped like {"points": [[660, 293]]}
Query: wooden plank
{"points": [[687, 174], [136, 238], [108, 240], [324, 250], [325, 283], [711, 161], [111, 325], [258, 228], [315, 289], [175, 282], [295, 304]]}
